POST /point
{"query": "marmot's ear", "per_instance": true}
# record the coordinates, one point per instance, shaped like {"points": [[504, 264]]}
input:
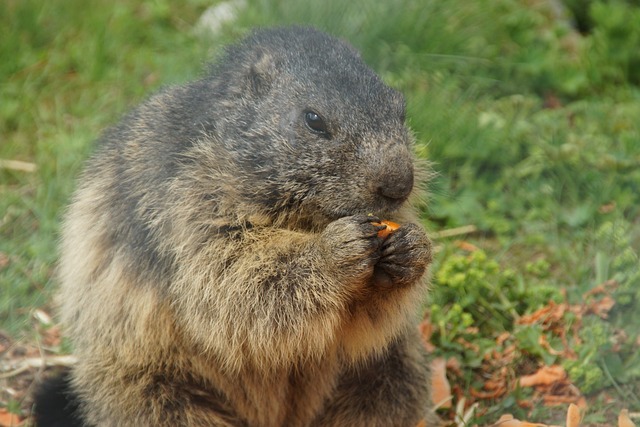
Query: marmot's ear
{"points": [[262, 72]]}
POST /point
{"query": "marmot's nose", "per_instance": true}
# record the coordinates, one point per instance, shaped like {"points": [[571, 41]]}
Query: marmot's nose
{"points": [[397, 183]]}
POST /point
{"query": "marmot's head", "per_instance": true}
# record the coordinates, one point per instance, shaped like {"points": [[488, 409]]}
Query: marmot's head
{"points": [[311, 127]]}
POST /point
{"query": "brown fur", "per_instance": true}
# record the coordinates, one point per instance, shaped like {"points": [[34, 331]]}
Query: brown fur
{"points": [[218, 265]]}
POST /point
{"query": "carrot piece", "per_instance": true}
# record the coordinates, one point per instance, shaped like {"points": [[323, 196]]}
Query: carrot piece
{"points": [[385, 232]]}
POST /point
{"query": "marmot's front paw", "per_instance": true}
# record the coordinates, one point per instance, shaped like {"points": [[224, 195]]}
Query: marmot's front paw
{"points": [[404, 257], [352, 244]]}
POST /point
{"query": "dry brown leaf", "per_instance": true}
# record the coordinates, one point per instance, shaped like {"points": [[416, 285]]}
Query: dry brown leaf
{"points": [[426, 330], [555, 400], [7, 419], [546, 375], [466, 246], [507, 420], [486, 394], [526, 404], [495, 384], [52, 337], [441, 389], [422, 423], [453, 365], [603, 288], [503, 337], [551, 313], [468, 345], [544, 343], [602, 307], [624, 420], [573, 416]]}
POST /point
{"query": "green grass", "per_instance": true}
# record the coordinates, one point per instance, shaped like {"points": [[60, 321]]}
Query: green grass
{"points": [[68, 71], [555, 192]]}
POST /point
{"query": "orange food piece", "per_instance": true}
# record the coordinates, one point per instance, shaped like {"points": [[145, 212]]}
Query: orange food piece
{"points": [[385, 232]]}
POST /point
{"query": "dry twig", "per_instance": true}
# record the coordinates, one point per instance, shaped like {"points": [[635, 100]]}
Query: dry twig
{"points": [[17, 165], [14, 368], [452, 232]]}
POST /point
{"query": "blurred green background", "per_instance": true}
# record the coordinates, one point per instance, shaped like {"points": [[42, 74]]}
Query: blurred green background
{"points": [[528, 109]]}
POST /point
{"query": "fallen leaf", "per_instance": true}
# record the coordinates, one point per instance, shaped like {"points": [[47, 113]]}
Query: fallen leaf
{"points": [[486, 395], [495, 384], [528, 424], [466, 246], [555, 400], [7, 419], [52, 337], [468, 345], [453, 365], [551, 313], [422, 423], [504, 357], [507, 420], [526, 404], [503, 337], [546, 375], [544, 343], [426, 330], [573, 416], [601, 307], [603, 288], [441, 389], [624, 420]]}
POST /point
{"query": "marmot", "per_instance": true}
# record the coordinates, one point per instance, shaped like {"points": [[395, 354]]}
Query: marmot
{"points": [[220, 260]]}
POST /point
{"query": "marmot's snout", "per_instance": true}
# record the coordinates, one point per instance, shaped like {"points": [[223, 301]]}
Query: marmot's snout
{"points": [[397, 184], [393, 177]]}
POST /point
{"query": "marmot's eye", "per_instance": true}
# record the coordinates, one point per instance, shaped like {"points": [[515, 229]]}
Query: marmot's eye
{"points": [[315, 122]]}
